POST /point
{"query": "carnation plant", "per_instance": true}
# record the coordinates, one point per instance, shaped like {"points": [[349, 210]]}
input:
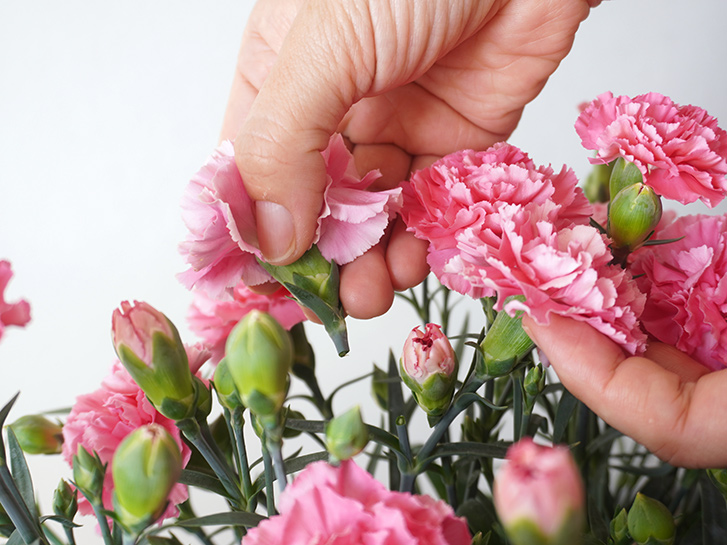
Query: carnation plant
{"points": [[476, 442]]}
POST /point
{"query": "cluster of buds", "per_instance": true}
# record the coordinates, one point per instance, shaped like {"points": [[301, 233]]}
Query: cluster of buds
{"points": [[648, 522], [428, 366]]}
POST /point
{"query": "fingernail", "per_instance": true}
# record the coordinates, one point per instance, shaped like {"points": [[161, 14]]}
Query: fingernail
{"points": [[275, 231]]}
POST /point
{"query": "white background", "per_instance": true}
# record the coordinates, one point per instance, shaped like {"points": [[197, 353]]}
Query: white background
{"points": [[107, 109]]}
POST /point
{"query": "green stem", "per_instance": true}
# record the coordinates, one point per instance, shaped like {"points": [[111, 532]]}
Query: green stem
{"points": [[276, 453], [268, 468], [238, 422], [103, 523], [517, 402]]}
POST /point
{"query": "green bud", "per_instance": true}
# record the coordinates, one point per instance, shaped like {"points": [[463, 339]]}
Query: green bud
{"points": [[259, 356], [346, 435], [314, 283], [596, 185], [533, 385], [38, 435], [505, 344], [146, 465], [623, 174], [150, 348], [225, 387], [88, 474], [633, 214], [619, 531], [65, 500], [650, 522]]}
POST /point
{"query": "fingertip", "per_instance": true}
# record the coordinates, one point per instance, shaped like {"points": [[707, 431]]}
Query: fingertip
{"points": [[366, 290], [406, 258]]}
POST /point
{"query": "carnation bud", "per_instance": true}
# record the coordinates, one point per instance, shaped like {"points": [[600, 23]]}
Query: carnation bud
{"points": [[539, 495], [649, 521], [633, 214], [346, 435], [596, 185], [533, 385], [505, 344], [259, 356], [151, 350], [65, 500], [88, 474], [314, 283], [623, 174], [225, 387], [38, 435], [146, 465], [428, 366], [619, 530]]}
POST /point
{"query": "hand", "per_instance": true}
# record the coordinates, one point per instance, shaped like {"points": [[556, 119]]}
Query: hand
{"points": [[405, 81], [664, 400]]}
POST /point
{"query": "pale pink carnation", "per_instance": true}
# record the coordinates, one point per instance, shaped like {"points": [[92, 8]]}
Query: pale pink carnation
{"points": [[462, 194], [686, 286], [102, 419], [345, 505], [559, 271], [212, 319], [220, 216], [680, 150], [17, 314]]}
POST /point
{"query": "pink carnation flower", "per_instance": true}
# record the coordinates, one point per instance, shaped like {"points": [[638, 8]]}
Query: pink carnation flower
{"points": [[212, 320], [102, 419], [462, 194], [345, 505], [17, 314], [680, 150], [686, 286], [564, 272], [220, 217]]}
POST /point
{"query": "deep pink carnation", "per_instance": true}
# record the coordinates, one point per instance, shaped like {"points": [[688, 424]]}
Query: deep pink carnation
{"points": [[212, 320], [17, 314], [680, 150], [220, 217], [345, 505], [462, 195], [102, 419], [564, 272], [686, 286]]}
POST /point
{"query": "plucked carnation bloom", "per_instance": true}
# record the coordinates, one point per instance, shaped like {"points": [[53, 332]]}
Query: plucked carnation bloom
{"points": [[538, 492], [462, 194], [686, 288], [101, 419], [680, 150], [220, 217], [564, 272], [345, 505], [212, 319], [17, 314]]}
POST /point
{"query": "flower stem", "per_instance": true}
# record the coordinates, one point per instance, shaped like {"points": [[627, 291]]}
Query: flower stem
{"points": [[103, 523], [238, 422], [268, 468]]}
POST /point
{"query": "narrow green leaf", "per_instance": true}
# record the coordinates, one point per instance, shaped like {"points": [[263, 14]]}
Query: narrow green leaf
{"points": [[202, 480], [293, 465], [21, 473], [15, 539], [3, 416], [566, 406], [159, 540], [60, 520], [468, 448], [236, 518]]}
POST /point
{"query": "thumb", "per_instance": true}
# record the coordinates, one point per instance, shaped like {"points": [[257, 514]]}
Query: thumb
{"points": [[310, 88]]}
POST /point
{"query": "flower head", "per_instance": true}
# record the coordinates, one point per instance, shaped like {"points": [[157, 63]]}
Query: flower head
{"points": [[686, 286], [539, 496], [221, 219], [100, 420], [17, 314], [462, 195], [680, 150], [212, 319], [345, 505]]}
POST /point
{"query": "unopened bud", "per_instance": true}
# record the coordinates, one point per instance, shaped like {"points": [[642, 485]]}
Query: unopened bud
{"points": [[151, 350], [633, 214], [596, 186], [505, 344], [259, 357], [539, 496], [619, 530], [623, 174], [649, 521], [225, 387], [88, 474], [428, 366], [346, 435], [38, 435], [146, 465], [65, 500]]}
